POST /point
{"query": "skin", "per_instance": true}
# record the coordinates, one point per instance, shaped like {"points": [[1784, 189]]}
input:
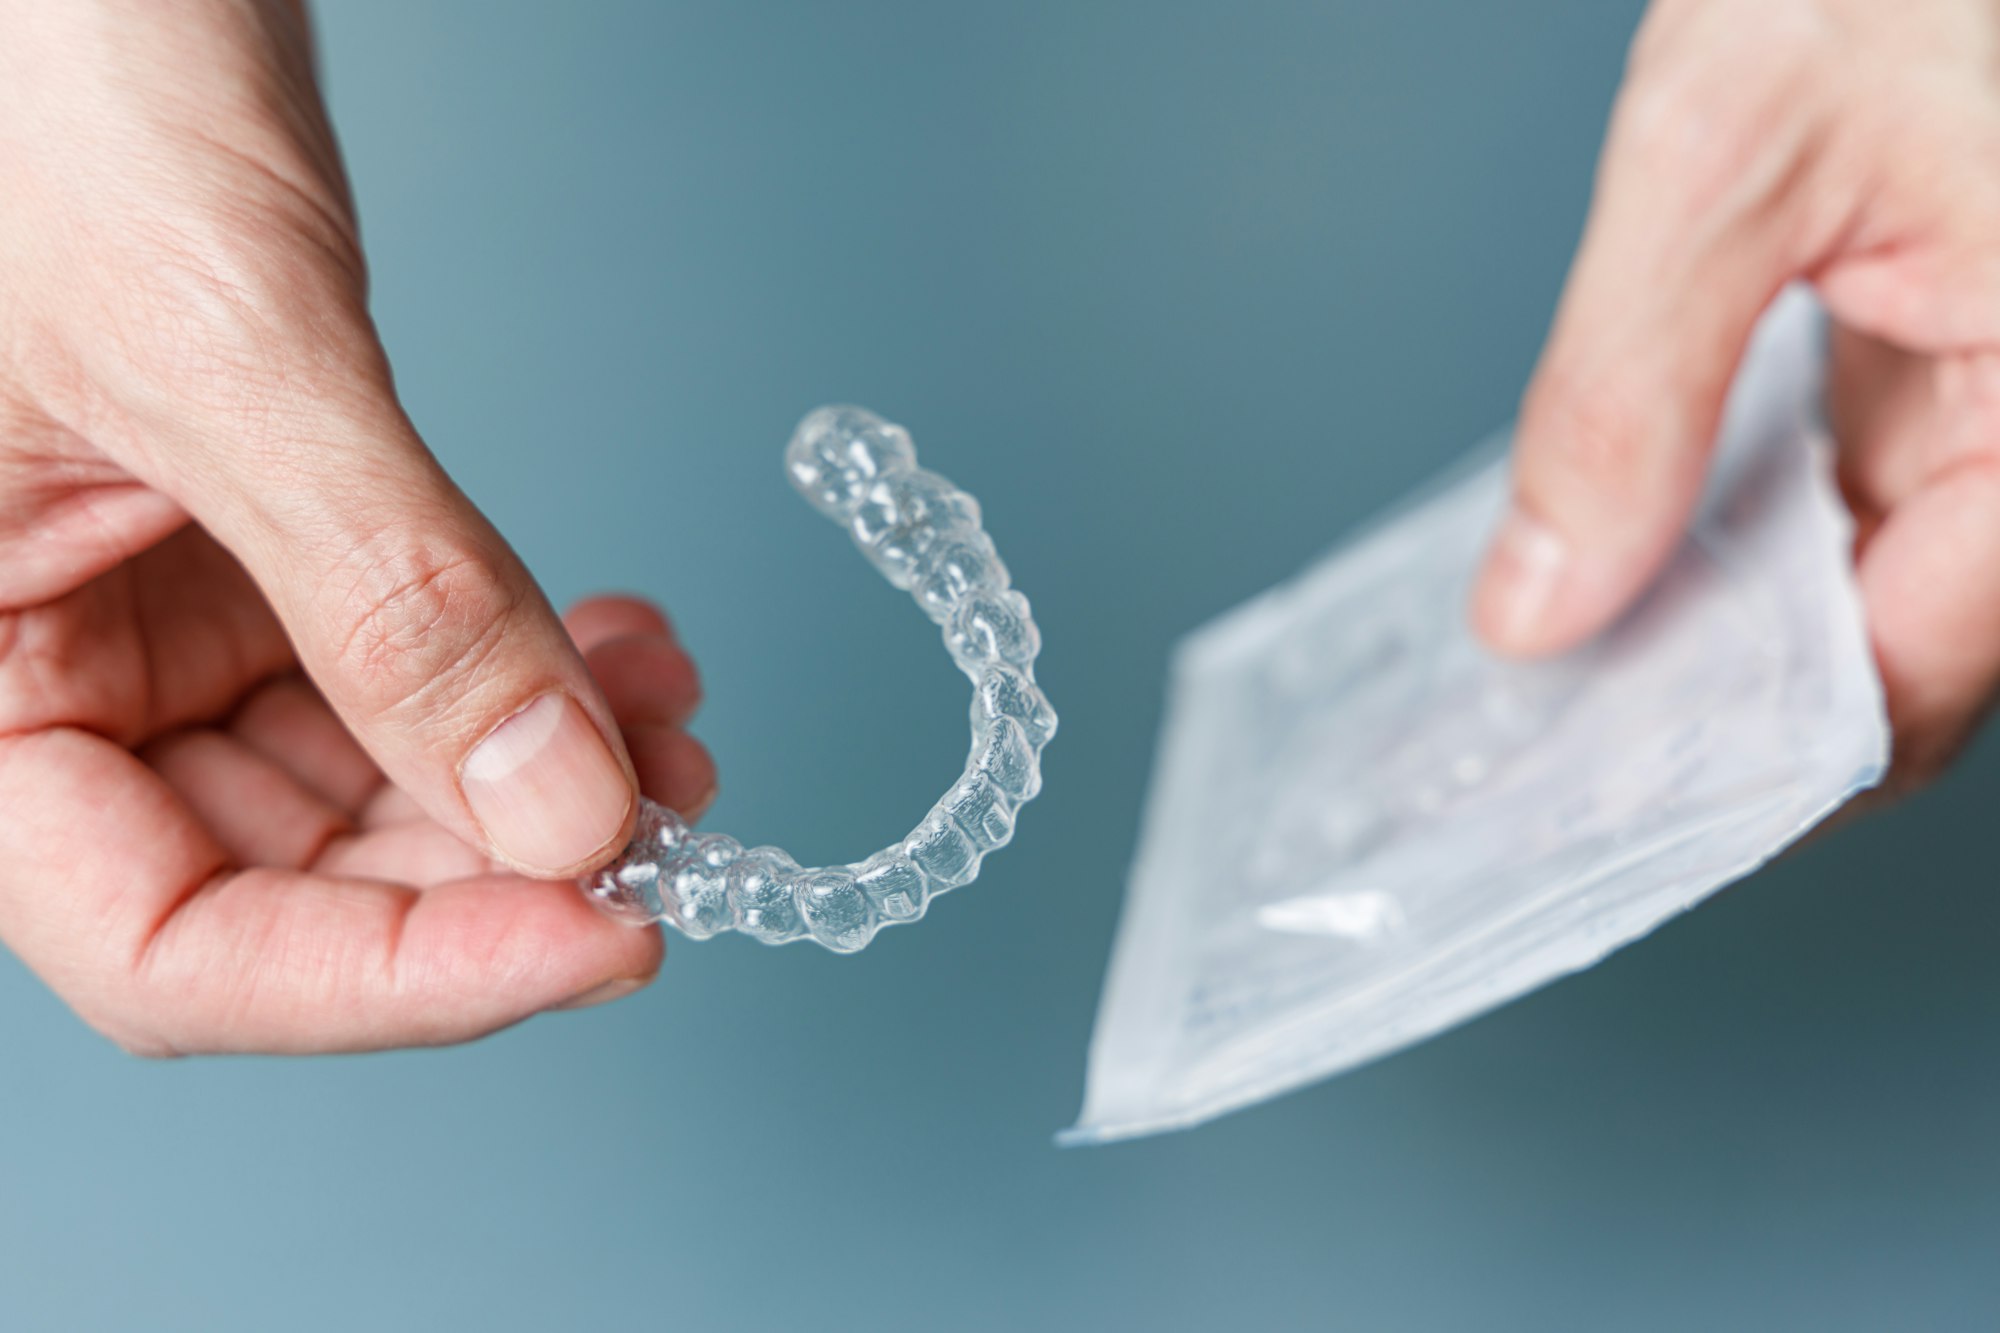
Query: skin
{"points": [[1851, 144], [251, 635]]}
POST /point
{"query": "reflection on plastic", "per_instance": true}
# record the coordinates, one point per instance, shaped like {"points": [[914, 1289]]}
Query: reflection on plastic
{"points": [[1365, 914], [1363, 829]]}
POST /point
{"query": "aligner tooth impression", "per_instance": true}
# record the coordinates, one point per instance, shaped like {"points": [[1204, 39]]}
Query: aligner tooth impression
{"points": [[923, 534]]}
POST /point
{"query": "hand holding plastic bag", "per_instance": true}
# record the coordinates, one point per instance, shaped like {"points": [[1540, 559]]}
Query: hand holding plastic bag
{"points": [[1365, 829]]}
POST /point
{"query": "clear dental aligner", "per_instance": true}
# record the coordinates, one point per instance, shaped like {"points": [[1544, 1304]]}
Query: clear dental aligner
{"points": [[923, 533]]}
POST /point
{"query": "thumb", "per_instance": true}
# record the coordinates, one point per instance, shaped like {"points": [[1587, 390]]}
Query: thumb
{"points": [[1688, 241], [422, 628]]}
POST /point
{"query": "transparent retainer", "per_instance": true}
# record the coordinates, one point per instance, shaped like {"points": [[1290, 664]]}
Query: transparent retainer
{"points": [[924, 535]]}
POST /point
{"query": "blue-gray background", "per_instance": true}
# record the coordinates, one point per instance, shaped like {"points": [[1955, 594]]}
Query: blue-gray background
{"points": [[1181, 291]]}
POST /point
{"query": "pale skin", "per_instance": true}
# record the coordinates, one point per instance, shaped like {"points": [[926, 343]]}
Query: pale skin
{"points": [[294, 755], [1852, 144], [291, 744]]}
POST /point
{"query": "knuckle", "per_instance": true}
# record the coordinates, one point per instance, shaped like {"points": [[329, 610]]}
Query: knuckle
{"points": [[418, 623], [38, 676], [242, 324], [1718, 96], [1671, 133], [226, 300]]}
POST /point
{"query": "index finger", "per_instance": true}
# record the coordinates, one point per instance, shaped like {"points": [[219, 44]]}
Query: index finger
{"points": [[121, 901]]}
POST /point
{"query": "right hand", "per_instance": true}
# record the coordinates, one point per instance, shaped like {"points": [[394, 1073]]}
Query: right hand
{"points": [[1854, 144]]}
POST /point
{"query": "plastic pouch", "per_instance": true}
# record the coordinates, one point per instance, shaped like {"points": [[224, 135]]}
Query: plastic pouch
{"points": [[1363, 829]]}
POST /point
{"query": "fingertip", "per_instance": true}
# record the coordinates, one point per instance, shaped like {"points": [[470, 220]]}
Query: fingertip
{"points": [[646, 678], [549, 790], [604, 993], [1539, 595], [633, 959], [1567, 560], [1516, 603], [674, 768], [497, 949], [605, 616], [622, 958]]}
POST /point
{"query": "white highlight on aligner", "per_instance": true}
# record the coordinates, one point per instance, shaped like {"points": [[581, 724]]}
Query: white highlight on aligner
{"points": [[923, 533]]}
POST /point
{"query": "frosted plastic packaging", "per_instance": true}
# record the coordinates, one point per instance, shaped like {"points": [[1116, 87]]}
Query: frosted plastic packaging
{"points": [[924, 535], [1363, 829]]}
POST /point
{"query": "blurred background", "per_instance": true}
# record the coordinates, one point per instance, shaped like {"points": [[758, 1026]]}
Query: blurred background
{"points": [[1182, 292]]}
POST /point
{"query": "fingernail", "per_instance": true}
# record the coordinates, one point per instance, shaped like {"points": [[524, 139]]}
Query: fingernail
{"points": [[616, 989], [699, 805], [545, 788], [1523, 572]]}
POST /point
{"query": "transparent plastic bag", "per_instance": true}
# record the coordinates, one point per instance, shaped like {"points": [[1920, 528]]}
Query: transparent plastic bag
{"points": [[1363, 829]]}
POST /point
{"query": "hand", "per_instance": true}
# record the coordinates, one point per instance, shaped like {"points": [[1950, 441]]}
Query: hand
{"points": [[278, 707], [1856, 145]]}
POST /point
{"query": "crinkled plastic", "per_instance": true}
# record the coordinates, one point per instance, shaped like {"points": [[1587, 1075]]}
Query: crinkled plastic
{"points": [[1363, 829]]}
